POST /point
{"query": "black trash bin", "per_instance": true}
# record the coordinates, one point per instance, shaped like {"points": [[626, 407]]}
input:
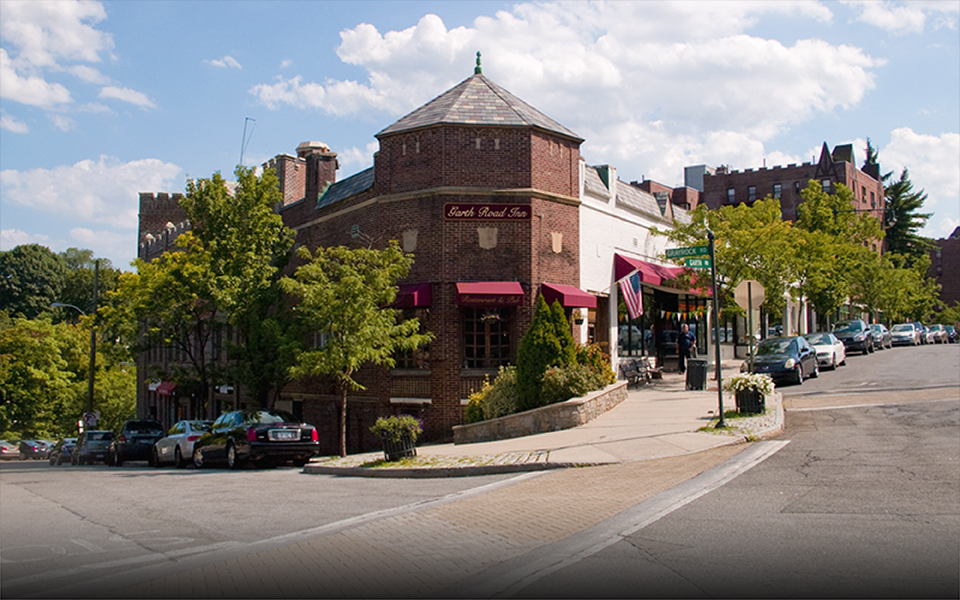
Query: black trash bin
{"points": [[696, 374]]}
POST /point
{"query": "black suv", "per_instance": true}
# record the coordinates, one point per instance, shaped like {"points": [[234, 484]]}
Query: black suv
{"points": [[855, 335], [135, 441]]}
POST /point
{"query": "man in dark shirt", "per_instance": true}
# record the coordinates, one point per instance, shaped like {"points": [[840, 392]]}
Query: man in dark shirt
{"points": [[686, 343]]}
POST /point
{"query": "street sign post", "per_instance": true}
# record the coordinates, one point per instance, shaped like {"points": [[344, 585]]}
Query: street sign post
{"points": [[697, 263], [688, 251], [749, 294], [716, 325]]}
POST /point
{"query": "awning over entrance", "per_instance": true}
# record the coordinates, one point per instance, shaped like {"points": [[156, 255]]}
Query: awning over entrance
{"points": [[166, 388], [649, 272], [489, 294], [414, 295], [567, 295]]}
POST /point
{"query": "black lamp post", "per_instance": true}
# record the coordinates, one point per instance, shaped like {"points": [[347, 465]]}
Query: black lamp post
{"points": [[93, 333]]}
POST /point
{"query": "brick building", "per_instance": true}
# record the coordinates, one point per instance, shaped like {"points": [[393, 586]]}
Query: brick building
{"points": [[722, 187], [945, 267], [492, 197]]}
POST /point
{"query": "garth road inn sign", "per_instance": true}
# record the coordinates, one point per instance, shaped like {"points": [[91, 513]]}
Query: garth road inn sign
{"points": [[465, 211]]}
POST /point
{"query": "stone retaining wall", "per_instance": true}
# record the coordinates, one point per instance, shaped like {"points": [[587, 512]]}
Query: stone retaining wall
{"points": [[554, 417]]}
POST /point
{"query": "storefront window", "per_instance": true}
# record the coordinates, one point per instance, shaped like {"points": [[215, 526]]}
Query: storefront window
{"points": [[486, 338], [413, 359]]}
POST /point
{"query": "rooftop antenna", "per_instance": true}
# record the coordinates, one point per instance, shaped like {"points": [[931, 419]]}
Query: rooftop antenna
{"points": [[246, 140]]}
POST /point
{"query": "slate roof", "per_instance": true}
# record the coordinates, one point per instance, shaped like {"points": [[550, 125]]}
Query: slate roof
{"points": [[477, 101], [637, 199], [345, 188]]}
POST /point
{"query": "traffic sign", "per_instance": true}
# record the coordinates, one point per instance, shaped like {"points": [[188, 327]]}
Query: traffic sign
{"points": [[749, 294], [688, 251], [89, 420], [697, 263]]}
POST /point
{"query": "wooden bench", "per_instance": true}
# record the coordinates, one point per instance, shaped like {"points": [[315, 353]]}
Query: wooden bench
{"points": [[634, 371]]}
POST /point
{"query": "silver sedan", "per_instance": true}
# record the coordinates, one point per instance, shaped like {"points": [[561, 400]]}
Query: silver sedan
{"points": [[830, 350], [177, 446]]}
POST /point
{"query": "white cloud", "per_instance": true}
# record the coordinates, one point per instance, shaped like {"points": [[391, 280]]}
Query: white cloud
{"points": [[285, 63], [103, 191], [62, 122], [47, 32], [933, 161], [127, 95], [943, 228], [901, 18], [225, 62], [362, 158], [10, 238], [30, 89], [12, 124], [89, 74]]}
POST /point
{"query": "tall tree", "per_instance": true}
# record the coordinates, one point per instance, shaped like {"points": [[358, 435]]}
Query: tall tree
{"points": [[343, 294], [247, 246], [904, 220], [31, 278], [540, 347], [79, 280]]}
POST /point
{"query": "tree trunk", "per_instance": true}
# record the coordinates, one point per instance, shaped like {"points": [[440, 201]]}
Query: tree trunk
{"points": [[343, 421]]}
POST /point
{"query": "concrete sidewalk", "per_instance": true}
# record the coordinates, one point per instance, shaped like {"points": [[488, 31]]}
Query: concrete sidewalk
{"points": [[657, 420]]}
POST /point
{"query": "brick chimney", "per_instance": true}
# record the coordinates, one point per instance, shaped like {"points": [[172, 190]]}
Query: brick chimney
{"points": [[321, 165]]}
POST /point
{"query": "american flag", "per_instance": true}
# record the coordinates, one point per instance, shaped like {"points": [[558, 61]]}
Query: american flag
{"points": [[630, 288]]}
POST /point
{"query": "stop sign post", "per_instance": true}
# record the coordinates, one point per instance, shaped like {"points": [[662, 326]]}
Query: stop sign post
{"points": [[750, 293]]}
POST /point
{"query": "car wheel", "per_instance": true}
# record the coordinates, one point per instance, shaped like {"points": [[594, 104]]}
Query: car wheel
{"points": [[233, 462], [300, 462], [53, 462], [178, 458], [118, 460], [816, 371], [799, 380], [833, 362], [73, 461], [197, 458], [155, 459]]}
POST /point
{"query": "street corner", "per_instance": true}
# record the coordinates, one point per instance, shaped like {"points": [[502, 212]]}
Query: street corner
{"points": [[435, 466]]}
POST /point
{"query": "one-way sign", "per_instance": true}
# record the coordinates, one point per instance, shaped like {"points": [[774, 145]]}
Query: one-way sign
{"points": [[689, 251]]}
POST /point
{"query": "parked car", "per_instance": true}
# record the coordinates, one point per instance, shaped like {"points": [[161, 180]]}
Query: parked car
{"points": [[929, 336], [61, 451], [257, 436], [135, 441], [830, 350], [91, 447], [9, 450], [940, 335], [855, 335], [784, 359], [952, 336], [922, 330], [881, 336], [905, 334], [177, 446], [33, 449]]}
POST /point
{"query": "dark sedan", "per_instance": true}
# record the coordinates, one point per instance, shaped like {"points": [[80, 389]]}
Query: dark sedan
{"points": [[135, 441], [92, 446], [855, 335], [33, 449], [881, 336], [60, 453], [784, 359], [263, 436]]}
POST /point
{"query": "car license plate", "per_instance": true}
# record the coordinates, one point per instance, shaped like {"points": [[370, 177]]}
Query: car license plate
{"points": [[145, 442], [284, 435]]}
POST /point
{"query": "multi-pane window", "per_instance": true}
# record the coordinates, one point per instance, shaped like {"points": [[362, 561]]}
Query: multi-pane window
{"points": [[751, 193], [776, 190], [486, 338], [873, 199], [826, 185], [731, 195], [413, 359]]}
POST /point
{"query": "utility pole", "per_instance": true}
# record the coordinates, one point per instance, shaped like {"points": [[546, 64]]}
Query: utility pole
{"points": [[716, 327], [93, 336]]}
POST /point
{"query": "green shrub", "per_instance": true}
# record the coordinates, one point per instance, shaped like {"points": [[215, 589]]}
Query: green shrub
{"points": [[571, 381], [539, 348], [593, 356], [568, 348], [393, 428], [494, 399]]}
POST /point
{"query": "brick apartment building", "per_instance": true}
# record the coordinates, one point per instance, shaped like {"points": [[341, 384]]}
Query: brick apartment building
{"points": [[945, 268], [492, 198], [723, 187]]}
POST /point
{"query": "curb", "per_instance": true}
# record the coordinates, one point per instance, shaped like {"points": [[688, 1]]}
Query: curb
{"points": [[426, 473]]}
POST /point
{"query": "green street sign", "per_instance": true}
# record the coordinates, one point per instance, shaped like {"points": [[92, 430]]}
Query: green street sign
{"points": [[689, 251], [697, 263]]}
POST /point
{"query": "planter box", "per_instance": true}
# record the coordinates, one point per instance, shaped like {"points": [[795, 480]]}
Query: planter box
{"points": [[406, 447], [750, 401]]}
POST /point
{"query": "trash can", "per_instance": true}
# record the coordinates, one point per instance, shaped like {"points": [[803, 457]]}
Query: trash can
{"points": [[696, 374]]}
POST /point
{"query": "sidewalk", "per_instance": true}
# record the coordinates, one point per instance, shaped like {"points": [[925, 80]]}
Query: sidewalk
{"points": [[657, 420]]}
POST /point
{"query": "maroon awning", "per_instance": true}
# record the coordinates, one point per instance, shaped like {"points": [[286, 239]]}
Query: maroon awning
{"points": [[567, 295], [166, 388], [489, 294], [649, 272], [414, 295]]}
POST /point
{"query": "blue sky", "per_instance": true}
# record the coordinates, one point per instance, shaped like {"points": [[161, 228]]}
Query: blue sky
{"points": [[102, 100]]}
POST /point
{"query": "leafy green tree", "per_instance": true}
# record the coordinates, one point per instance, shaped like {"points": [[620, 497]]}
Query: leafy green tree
{"points": [[342, 294], [247, 246], [568, 348], [79, 279], [31, 279], [904, 220], [539, 348]]}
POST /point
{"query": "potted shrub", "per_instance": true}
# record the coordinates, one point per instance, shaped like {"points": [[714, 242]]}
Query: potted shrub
{"points": [[750, 390], [398, 434]]}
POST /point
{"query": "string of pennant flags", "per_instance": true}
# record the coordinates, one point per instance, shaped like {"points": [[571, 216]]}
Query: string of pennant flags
{"points": [[683, 315]]}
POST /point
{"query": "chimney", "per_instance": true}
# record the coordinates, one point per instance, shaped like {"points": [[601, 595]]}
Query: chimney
{"points": [[322, 168]]}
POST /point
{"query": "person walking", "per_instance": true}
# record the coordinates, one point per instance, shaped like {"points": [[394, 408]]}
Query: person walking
{"points": [[686, 344]]}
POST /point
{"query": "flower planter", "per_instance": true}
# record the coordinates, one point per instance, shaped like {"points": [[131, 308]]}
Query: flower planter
{"points": [[395, 450], [750, 400]]}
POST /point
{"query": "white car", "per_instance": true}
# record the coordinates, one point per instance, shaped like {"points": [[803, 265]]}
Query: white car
{"points": [[940, 335], [905, 334], [830, 350], [177, 446]]}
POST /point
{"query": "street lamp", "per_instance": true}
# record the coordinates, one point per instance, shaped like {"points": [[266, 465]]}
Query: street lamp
{"points": [[93, 332]]}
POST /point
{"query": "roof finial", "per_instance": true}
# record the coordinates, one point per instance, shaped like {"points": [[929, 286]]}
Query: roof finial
{"points": [[478, 70]]}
